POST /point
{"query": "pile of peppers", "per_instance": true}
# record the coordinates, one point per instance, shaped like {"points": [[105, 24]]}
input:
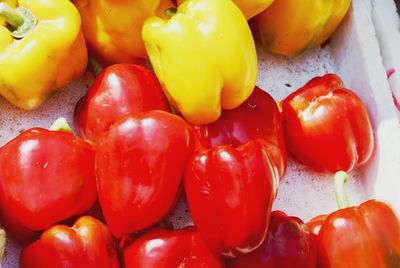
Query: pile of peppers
{"points": [[195, 124]]}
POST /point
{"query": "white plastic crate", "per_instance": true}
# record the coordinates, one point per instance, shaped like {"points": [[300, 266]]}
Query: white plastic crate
{"points": [[353, 53]]}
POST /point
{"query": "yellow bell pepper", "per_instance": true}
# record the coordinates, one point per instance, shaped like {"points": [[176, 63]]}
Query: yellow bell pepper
{"points": [[204, 57], [37, 42], [250, 8], [290, 27], [112, 29]]}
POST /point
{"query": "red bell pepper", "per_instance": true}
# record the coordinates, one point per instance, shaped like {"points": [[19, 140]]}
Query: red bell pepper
{"points": [[170, 249], [314, 225], [86, 244], [257, 118], [326, 126], [359, 237], [118, 90], [140, 162], [230, 193], [45, 177], [289, 244]]}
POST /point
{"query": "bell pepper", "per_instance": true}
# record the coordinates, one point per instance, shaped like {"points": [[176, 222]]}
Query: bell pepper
{"points": [[88, 243], [230, 193], [326, 126], [118, 90], [252, 8], [204, 57], [289, 244], [359, 237], [46, 176], [179, 248], [140, 163], [112, 29], [314, 225], [290, 27], [243, 124], [249, 8], [38, 39]]}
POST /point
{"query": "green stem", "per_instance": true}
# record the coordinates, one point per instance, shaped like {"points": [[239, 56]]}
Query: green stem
{"points": [[96, 66], [60, 125], [20, 20], [170, 12], [341, 178], [10, 16], [2, 243]]}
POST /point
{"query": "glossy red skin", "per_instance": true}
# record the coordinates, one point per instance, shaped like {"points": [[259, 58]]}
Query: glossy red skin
{"points": [[315, 225], [326, 126], [140, 163], [257, 118], [118, 90], [367, 236], [170, 249], [289, 244], [230, 192], [45, 177], [88, 243]]}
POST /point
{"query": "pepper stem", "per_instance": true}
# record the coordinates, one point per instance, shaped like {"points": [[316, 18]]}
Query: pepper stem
{"points": [[20, 20], [96, 66], [341, 178], [2, 243], [170, 12], [60, 125], [10, 16]]}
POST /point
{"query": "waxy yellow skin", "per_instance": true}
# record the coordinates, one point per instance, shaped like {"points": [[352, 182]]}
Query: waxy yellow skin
{"points": [[49, 57], [250, 8], [112, 28], [204, 57], [290, 27]]}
